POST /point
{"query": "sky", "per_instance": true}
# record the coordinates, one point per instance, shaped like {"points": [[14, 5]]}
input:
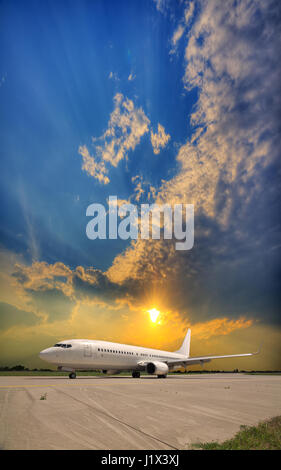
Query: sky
{"points": [[154, 101]]}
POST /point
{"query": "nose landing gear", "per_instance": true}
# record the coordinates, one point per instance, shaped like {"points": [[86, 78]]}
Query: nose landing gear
{"points": [[72, 375]]}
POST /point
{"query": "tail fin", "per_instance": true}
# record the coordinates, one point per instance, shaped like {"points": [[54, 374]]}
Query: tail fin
{"points": [[185, 347]]}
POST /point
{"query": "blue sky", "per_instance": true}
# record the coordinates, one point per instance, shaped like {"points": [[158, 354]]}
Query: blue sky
{"points": [[152, 101], [57, 94]]}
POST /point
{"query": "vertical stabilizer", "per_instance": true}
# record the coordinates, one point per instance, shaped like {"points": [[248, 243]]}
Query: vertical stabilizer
{"points": [[185, 347]]}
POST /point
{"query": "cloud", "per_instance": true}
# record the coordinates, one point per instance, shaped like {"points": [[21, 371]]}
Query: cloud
{"points": [[182, 26], [126, 126], [52, 304], [188, 12], [219, 326], [46, 289], [11, 316], [224, 169], [142, 189], [93, 168], [42, 276], [161, 5], [177, 35], [160, 139], [47, 284], [113, 76], [230, 58]]}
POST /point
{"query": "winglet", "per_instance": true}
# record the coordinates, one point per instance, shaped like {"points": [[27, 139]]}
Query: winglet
{"points": [[259, 349]]}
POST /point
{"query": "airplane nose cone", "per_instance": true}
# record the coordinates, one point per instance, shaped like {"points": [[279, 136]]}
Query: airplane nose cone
{"points": [[43, 354]]}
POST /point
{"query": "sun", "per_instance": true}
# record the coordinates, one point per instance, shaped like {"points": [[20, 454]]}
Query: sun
{"points": [[154, 314]]}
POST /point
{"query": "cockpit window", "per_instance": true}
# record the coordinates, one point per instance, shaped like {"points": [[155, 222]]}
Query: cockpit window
{"points": [[61, 345]]}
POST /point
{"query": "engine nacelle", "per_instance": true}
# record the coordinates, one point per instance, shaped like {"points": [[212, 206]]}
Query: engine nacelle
{"points": [[157, 368]]}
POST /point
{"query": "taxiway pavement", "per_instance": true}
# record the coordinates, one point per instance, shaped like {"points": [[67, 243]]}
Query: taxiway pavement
{"points": [[125, 413]]}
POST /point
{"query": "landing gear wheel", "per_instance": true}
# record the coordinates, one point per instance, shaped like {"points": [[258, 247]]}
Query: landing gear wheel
{"points": [[161, 376], [72, 375], [136, 375]]}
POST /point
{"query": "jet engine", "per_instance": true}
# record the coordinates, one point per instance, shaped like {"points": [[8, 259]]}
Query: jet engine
{"points": [[157, 368]]}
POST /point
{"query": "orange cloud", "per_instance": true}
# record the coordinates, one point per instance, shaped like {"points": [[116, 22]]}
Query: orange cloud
{"points": [[219, 326]]}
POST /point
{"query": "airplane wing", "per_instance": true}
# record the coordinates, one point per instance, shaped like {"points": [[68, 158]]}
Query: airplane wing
{"points": [[202, 359], [199, 360]]}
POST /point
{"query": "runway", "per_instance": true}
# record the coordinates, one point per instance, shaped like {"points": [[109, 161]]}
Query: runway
{"points": [[125, 413]]}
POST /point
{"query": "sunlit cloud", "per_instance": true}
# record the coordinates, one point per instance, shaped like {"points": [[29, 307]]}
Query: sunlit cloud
{"points": [[177, 35], [219, 326], [159, 139], [94, 168], [142, 189], [181, 28], [126, 127]]}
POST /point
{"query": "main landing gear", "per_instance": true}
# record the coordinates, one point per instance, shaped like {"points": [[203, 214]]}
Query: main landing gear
{"points": [[72, 375], [161, 376], [136, 375]]}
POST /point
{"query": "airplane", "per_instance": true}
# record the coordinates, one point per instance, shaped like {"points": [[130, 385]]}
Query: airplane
{"points": [[112, 358]]}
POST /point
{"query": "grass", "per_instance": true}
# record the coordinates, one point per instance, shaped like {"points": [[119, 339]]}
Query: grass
{"points": [[49, 373], [262, 373], [81, 373], [265, 436]]}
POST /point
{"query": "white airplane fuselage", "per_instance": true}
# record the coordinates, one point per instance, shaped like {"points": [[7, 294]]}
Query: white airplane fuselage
{"points": [[104, 355]]}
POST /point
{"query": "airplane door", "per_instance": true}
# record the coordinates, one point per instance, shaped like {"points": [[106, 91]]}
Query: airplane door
{"points": [[89, 350]]}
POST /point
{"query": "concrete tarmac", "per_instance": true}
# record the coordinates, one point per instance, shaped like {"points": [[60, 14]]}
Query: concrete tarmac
{"points": [[125, 413]]}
